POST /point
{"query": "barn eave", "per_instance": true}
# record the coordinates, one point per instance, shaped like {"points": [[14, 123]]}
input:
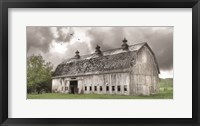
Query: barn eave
{"points": [[128, 70]]}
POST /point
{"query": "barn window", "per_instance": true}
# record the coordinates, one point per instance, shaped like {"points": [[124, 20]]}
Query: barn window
{"points": [[85, 88], [101, 88], [90, 88], [95, 88], [118, 88], [125, 87], [107, 88], [113, 88], [66, 88]]}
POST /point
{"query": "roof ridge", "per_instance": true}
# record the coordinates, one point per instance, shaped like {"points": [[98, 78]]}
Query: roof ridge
{"points": [[86, 55], [115, 48], [121, 47]]}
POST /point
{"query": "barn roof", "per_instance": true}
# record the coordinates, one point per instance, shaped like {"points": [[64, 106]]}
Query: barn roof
{"points": [[110, 60]]}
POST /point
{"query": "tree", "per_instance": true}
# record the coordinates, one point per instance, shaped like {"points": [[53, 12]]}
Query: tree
{"points": [[39, 74]]}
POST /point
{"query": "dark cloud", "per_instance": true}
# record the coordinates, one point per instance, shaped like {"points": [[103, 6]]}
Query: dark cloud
{"points": [[106, 38], [41, 37], [160, 40], [162, 46]]}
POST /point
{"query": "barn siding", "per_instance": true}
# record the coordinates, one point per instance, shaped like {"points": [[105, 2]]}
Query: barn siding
{"points": [[104, 80], [145, 78]]}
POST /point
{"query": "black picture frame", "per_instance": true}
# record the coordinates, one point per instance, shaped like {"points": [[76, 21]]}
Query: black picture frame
{"points": [[4, 73]]}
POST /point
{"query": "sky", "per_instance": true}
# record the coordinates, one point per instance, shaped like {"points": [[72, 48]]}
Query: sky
{"points": [[57, 43]]}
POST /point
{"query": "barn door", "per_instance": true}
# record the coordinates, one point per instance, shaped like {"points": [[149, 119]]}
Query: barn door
{"points": [[73, 87]]}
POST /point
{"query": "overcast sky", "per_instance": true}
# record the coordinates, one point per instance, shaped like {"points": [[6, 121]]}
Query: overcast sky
{"points": [[58, 43]]}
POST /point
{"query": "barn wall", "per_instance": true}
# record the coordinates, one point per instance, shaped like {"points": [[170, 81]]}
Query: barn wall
{"points": [[60, 85], [104, 80], [121, 80], [145, 74]]}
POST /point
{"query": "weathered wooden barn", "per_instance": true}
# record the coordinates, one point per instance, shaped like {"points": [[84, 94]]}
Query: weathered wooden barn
{"points": [[128, 70]]}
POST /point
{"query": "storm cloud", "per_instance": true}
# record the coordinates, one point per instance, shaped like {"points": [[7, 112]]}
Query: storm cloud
{"points": [[106, 38], [45, 40], [42, 37], [39, 37], [160, 40]]}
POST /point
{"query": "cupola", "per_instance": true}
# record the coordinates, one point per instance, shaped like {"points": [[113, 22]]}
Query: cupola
{"points": [[124, 45], [98, 51], [77, 56]]}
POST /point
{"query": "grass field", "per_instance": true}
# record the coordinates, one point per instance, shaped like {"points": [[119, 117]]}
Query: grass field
{"points": [[166, 92]]}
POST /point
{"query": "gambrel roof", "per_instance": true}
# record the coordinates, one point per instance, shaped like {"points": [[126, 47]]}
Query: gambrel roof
{"points": [[110, 60]]}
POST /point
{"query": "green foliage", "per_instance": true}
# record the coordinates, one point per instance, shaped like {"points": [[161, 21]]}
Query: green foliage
{"points": [[39, 75]]}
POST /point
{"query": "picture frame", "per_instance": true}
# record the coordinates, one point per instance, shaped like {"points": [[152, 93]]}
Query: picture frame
{"points": [[4, 62]]}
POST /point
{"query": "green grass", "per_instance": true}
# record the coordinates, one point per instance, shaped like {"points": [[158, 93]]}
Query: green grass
{"points": [[166, 83], [166, 92]]}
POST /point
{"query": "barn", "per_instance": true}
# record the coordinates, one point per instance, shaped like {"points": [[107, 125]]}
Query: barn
{"points": [[128, 70]]}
